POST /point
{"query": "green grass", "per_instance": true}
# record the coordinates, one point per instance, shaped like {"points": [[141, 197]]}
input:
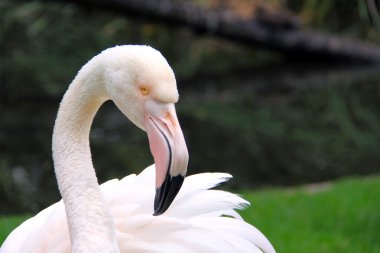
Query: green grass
{"points": [[340, 217]]}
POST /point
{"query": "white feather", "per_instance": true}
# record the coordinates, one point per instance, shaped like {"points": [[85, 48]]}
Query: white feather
{"points": [[198, 221]]}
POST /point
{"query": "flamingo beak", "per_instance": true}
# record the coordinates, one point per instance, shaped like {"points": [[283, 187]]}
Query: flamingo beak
{"points": [[169, 150]]}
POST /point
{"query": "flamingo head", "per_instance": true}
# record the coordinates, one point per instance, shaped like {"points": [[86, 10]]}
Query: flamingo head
{"points": [[142, 85]]}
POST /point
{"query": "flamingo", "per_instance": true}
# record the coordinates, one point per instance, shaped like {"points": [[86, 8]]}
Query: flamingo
{"points": [[119, 216]]}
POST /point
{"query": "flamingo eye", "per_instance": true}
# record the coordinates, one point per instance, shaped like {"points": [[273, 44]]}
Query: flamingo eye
{"points": [[144, 90]]}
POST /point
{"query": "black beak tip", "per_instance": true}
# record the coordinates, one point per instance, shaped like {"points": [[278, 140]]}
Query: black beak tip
{"points": [[166, 193]]}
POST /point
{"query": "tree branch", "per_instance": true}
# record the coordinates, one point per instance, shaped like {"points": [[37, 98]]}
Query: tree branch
{"points": [[285, 38]]}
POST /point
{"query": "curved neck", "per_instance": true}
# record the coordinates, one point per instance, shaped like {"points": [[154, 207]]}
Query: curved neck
{"points": [[90, 224]]}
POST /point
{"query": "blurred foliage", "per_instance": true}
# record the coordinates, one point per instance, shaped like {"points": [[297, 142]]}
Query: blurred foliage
{"points": [[246, 9], [355, 18], [312, 135], [44, 42], [308, 135], [352, 18]]}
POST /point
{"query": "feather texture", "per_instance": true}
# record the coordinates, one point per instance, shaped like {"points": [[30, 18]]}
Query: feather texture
{"points": [[199, 220]]}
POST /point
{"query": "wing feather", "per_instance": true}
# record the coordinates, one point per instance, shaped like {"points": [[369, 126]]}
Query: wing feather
{"points": [[199, 220]]}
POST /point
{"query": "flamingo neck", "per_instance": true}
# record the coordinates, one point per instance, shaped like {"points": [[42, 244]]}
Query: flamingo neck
{"points": [[90, 224]]}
